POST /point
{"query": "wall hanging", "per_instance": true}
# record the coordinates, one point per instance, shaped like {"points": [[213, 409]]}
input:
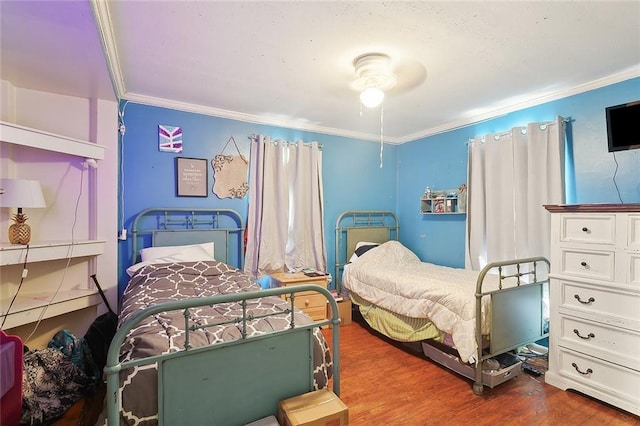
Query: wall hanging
{"points": [[191, 177], [169, 138], [230, 173]]}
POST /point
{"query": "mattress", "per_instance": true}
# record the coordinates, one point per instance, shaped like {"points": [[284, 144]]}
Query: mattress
{"points": [[162, 333], [393, 278], [396, 326]]}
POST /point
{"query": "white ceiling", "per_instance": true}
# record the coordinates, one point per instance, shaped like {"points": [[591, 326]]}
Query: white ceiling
{"points": [[289, 63]]}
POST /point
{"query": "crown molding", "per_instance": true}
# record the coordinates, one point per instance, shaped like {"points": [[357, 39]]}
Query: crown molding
{"points": [[533, 100], [102, 17], [250, 118]]}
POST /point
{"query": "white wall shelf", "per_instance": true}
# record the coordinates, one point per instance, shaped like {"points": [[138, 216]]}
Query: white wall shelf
{"points": [[48, 301], [25, 136], [28, 307], [13, 254], [447, 201]]}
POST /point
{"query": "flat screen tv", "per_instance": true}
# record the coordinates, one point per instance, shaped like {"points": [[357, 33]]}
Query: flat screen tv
{"points": [[622, 126]]}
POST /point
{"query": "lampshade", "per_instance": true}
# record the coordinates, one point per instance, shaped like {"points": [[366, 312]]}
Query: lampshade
{"points": [[21, 193]]}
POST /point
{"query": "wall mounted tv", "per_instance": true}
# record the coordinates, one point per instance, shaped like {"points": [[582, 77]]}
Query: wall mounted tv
{"points": [[623, 131]]}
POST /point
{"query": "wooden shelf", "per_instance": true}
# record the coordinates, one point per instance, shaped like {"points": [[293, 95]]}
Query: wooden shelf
{"points": [[45, 300], [439, 202], [13, 254], [25, 136], [28, 307], [440, 205]]}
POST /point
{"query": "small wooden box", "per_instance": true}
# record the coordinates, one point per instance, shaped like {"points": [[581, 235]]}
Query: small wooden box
{"points": [[344, 310], [317, 408]]}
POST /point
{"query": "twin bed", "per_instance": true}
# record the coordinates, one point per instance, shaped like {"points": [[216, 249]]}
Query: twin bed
{"points": [[199, 342], [463, 319]]}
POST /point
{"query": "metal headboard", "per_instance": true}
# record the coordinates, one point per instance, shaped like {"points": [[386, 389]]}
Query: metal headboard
{"points": [[353, 226], [179, 226]]}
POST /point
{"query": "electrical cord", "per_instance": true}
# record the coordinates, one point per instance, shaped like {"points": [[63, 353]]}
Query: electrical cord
{"points": [[122, 129], [66, 268], [22, 277], [614, 178], [534, 363]]}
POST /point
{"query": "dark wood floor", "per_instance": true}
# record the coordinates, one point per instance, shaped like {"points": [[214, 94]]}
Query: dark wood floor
{"points": [[383, 384]]}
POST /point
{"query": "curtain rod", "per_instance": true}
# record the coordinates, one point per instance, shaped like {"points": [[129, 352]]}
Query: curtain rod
{"points": [[254, 138], [524, 129]]}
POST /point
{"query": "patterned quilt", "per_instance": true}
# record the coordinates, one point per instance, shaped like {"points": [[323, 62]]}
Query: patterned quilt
{"points": [[163, 333]]}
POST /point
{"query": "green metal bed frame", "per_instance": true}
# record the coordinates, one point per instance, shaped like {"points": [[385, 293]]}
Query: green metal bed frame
{"points": [[255, 373], [353, 226], [168, 226], [519, 306]]}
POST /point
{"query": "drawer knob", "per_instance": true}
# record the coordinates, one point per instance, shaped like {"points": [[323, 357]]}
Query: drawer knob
{"points": [[584, 373], [584, 264], [587, 337], [585, 229], [588, 302]]}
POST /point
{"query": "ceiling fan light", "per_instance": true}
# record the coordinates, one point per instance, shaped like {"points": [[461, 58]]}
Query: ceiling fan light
{"points": [[371, 97]]}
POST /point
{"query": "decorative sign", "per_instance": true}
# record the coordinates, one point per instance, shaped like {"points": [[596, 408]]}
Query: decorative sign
{"points": [[230, 176], [230, 173], [191, 177], [170, 139]]}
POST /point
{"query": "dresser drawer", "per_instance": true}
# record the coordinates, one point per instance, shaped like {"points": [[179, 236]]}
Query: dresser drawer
{"points": [[588, 228], [309, 300], [611, 307], [316, 313], [633, 233], [600, 375], [633, 270], [597, 265], [610, 343]]}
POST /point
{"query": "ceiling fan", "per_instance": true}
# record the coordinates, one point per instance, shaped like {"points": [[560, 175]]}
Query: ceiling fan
{"points": [[375, 76]]}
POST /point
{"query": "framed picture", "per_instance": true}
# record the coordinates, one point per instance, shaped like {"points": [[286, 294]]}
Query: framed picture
{"points": [[191, 177]]}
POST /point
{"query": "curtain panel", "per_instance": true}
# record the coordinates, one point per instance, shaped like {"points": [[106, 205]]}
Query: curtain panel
{"points": [[285, 224], [511, 176]]}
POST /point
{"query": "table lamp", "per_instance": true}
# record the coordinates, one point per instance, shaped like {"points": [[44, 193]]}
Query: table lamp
{"points": [[20, 193]]}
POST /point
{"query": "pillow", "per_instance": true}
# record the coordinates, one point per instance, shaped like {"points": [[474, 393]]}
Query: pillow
{"points": [[365, 248], [156, 252], [361, 248], [192, 253]]}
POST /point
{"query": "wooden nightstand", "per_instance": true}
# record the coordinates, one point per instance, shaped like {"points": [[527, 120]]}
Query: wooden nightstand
{"points": [[312, 303]]}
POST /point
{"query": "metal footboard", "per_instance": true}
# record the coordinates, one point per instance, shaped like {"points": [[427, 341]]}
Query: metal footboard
{"points": [[517, 316], [243, 379]]}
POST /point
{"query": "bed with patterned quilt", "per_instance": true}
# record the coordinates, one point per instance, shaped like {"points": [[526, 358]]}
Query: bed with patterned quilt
{"points": [[476, 315], [199, 341]]}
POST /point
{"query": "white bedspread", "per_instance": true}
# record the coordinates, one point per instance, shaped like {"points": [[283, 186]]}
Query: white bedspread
{"points": [[394, 278]]}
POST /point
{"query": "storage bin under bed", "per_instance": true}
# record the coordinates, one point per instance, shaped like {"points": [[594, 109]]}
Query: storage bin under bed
{"points": [[510, 365]]}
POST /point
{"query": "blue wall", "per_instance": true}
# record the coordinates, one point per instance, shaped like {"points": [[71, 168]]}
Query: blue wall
{"points": [[353, 179], [440, 161]]}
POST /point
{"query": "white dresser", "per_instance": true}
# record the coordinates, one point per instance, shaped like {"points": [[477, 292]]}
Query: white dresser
{"points": [[594, 330]]}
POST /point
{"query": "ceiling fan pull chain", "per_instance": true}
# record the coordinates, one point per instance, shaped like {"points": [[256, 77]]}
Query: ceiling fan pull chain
{"points": [[381, 131]]}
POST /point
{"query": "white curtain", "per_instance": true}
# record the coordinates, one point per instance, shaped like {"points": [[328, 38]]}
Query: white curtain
{"points": [[285, 226], [511, 176]]}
